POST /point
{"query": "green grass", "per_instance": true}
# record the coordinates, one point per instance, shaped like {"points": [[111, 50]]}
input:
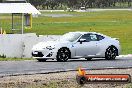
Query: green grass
{"points": [[15, 59], [116, 24]]}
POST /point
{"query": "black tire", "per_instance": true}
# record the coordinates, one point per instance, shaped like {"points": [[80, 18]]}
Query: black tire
{"points": [[81, 80], [41, 60], [111, 53], [63, 55], [88, 59]]}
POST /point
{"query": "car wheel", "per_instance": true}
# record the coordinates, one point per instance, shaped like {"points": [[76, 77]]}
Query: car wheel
{"points": [[41, 60], [88, 59], [111, 53], [81, 80], [63, 54]]}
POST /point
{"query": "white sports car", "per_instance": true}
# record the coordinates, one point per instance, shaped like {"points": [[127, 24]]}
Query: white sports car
{"points": [[72, 45]]}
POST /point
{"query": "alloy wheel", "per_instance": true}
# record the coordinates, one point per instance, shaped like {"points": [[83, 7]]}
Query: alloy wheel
{"points": [[111, 53], [63, 54]]}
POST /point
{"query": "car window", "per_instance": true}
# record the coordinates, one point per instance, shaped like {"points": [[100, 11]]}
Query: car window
{"points": [[86, 36], [89, 37], [92, 37], [100, 37]]}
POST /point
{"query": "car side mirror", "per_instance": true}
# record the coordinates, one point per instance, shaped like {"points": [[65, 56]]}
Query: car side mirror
{"points": [[82, 40]]}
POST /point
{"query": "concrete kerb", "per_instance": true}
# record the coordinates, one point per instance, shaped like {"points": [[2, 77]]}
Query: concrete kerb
{"points": [[129, 55], [60, 71]]}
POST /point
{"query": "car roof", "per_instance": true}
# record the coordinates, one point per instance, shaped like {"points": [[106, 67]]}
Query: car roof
{"points": [[85, 32], [89, 32]]}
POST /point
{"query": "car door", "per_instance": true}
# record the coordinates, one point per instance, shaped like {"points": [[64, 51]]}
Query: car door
{"points": [[88, 47]]}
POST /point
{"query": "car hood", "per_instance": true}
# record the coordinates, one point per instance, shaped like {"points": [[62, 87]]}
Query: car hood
{"points": [[41, 45]]}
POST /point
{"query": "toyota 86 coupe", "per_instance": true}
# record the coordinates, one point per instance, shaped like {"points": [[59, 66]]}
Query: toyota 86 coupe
{"points": [[75, 45]]}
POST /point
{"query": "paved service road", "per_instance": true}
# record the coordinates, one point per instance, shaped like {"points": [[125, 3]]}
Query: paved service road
{"points": [[32, 67]]}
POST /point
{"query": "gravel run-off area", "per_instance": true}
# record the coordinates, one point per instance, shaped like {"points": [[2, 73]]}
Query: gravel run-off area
{"points": [[61, 80]]}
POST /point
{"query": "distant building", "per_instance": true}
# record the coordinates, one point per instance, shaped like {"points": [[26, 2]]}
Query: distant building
{"points": [[82, 8]]}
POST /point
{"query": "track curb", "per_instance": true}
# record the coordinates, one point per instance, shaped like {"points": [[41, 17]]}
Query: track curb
{"points": [[68, 70]]}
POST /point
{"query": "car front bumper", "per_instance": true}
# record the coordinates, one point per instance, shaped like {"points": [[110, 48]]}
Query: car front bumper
{"points": [[44, 54]]}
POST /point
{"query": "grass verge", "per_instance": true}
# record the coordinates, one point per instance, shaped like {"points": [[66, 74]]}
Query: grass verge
{"points": [[15, 59]]}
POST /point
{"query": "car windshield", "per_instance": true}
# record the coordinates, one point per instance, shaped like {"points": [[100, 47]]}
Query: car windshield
{"points": [[71, 37]]}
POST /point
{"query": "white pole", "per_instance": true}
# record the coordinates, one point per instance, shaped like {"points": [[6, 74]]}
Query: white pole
{"points": [[22, 24]]}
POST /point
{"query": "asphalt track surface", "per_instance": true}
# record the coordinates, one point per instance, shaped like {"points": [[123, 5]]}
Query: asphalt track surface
{"points": [[9, 68]]}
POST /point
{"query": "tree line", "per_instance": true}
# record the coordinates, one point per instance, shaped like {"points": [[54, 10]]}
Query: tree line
{"points": [[77, 4]]}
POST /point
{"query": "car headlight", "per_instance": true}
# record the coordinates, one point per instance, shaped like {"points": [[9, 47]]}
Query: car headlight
{"points": [[50, 47]]}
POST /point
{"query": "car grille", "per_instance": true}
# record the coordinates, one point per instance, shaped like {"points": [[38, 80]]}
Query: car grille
{"points": [[38, 55]]}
